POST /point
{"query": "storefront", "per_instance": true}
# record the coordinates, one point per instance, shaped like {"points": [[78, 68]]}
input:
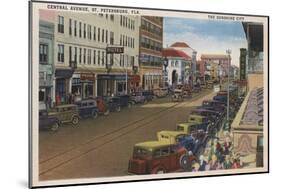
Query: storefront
{"points": [[115, 84], [63, 78], [151, 81], [83, 85]]}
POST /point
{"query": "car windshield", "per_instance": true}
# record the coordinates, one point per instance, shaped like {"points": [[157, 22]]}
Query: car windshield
{"points": [[140, 152]]}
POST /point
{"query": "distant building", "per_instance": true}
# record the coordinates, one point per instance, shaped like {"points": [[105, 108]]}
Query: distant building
{"points": [[219, 59], [178, 66], [150, 52]]}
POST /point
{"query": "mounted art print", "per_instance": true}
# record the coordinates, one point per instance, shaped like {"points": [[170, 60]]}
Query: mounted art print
{"points": [[122, 94]]}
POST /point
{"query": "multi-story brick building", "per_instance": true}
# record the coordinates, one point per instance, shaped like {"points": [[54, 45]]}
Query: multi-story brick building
{"points": [[82, 64], [151, 42]]}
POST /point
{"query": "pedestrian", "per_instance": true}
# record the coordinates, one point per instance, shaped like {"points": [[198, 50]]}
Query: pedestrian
{"points": [[227, 164], [202, 163], [195, 167], [213, 163], [227, 145]]}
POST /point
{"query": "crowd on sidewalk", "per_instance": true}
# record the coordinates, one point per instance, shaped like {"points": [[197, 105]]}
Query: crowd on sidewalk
{"points": [[218, 155]]}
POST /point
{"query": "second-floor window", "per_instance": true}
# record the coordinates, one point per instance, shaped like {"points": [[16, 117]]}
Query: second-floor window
{"points": [[61, 53], [75, 27], [80, 55], [80, 29], [84, 56], [89, 56], [98, 34], [94, 33], [43, 53], [111, 41], [85, 31], [61, 24], [70, 27]]}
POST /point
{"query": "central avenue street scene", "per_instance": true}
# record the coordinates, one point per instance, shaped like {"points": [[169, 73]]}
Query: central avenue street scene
{"points": [[134, 95]]}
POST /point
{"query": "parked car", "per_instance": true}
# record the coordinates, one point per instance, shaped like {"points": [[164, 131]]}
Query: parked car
{"points": [[47, 122], [102, 106], [206, 123], [137, 98], [156, 157], [190, 143], [125, 101], [161, 92], [88, 108], [66, 113], [177, 96], [221, 98], [113, 104], [149, 95]]}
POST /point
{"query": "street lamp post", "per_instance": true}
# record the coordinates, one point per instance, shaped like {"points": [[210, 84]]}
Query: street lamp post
{"points": [[228, 52], [165, 63]]}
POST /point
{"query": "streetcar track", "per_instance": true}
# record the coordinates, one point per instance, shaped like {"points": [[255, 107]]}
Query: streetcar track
{"points": [[131, 124]]}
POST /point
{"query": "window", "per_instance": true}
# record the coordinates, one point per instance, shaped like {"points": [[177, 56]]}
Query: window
{"points": [[75, 55], [84, 31], [133, 42], [84, 56], [70, 55], [80, 55], [121, 21], [111, 38], [89, 32], [102, 36], [61, 24], [98, 34], [94, 57], [120, 39], [80, 29], [75, 28], [120, 60], [70, 27], [106, 36], [132, 60], [98, 57], [60, 53], [43, 53], [94, 33], [89, 56], [102, 60], [112, 17]]}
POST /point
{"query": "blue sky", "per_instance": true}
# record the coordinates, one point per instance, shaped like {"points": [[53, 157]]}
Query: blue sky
{"points": [[206, 36]]}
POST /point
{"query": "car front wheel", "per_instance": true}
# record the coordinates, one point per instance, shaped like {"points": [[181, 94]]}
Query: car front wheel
{"points": [[54, 126], [94, 114], [75, 120]]}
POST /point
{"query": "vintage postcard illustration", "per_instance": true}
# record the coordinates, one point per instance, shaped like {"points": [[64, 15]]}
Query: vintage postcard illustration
{"points": [[125, 94]]}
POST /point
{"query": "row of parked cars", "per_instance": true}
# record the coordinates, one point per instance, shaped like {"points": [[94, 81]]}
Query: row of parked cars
{"points": [[92, 107], [170, 151]]}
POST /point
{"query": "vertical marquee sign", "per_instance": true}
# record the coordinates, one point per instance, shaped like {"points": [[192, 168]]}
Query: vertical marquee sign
{"points": [[243, 53]]}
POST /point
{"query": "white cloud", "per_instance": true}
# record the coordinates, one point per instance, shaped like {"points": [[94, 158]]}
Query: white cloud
{"points": [[208, 44]]}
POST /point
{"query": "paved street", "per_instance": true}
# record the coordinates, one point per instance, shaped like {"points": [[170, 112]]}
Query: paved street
{"points": [[102, 147]]}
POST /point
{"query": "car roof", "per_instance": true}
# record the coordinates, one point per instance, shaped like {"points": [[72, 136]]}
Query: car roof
{"points": [[151, 145], [171, 133], [66, 105], [196, 116], [200, 109]]}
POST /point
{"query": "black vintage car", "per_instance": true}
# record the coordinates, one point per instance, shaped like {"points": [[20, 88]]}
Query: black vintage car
{"points": [[113, 103], [47, 122], [125, 101], [148, 95], [88, 108]]}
